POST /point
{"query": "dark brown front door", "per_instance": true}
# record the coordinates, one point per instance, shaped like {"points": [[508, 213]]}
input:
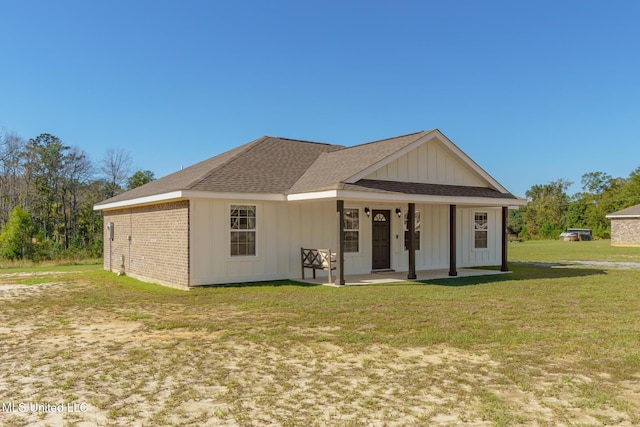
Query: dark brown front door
{"points": [[381, 245]]}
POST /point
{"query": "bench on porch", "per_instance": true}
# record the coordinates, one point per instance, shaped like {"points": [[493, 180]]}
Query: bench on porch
{"points": [[318, 259]]}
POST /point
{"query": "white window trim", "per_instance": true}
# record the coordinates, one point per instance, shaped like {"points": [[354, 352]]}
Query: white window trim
{"points": [[405, 213], [359, 230], [473, 230], [230, 230]]}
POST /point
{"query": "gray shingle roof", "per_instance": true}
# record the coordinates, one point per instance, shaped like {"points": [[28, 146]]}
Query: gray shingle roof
{"points": [[419, 188], [631, 211], [266, 165], [286, 166]]}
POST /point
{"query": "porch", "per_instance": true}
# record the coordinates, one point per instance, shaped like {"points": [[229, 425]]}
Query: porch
{"points": [[401, 276]]}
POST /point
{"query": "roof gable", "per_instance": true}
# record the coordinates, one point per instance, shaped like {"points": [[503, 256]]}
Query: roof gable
{"points": [[430, 162], [331, 170], [376, 161]]}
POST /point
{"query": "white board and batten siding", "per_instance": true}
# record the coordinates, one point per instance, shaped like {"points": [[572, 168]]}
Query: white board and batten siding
{"points": [[431, 163], [283, 227]]}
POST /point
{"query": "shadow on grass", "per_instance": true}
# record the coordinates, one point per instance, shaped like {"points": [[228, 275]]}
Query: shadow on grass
{"points": [[521, 272], [518, 272], [267, 283]]}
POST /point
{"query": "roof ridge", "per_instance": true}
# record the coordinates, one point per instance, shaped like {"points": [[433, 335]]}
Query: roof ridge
{"points": [[385, 139], [299, 140]]}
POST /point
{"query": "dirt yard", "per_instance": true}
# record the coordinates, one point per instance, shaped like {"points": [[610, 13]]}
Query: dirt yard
{"points": [[63, 366]]}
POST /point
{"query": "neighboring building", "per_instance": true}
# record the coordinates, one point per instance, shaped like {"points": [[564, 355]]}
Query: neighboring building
{"points": [[576, 234], [625, 227], [244, 215]]}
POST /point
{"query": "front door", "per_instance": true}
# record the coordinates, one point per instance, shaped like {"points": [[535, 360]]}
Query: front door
{"points": [[381, 245]]}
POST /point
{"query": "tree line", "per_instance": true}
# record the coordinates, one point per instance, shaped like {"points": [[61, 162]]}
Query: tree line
{"points": [[48, 190], [550, 210], [47, 193]]}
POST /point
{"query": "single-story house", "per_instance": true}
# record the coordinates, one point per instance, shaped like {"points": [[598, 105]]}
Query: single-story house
{"points": [[411, 202], [625, 227]]}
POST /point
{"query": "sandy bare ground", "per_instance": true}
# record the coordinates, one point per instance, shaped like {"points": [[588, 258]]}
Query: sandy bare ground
{"points": [[102, 368]]}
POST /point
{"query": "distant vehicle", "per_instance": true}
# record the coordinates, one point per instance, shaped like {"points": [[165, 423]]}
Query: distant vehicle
{"points": [[576, 234]]}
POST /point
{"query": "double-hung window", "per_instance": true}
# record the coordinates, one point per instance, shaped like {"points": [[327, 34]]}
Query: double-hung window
{"points": [[417, 230], [480, 224], [242, 230], [351, 226]]}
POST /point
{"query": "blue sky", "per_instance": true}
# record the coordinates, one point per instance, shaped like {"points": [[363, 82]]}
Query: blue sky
{"points": [[533, 91]]}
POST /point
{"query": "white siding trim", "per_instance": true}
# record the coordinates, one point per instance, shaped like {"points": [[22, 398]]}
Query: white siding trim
{"points": [[330, 194]]}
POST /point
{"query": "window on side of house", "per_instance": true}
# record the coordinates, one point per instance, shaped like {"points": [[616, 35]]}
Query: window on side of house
{"points": [[406, 230], [242, 230], [351, 230], [480, 230]]}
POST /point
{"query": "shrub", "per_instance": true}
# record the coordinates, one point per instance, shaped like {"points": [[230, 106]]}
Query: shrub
{"points": [[16, 236]]}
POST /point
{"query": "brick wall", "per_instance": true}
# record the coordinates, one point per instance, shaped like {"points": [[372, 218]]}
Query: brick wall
{"points": [[150, 243], [625, 231]]}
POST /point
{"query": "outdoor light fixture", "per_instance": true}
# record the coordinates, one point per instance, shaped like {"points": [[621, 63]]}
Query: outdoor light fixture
{"points": [[399, 212], [367, 211]]}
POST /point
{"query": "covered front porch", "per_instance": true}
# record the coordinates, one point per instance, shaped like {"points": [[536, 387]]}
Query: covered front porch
{"points": [[388, 251], [400, 277]]}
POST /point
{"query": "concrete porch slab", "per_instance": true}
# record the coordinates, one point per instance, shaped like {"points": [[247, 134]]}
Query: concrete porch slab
{"points": [[401, 276]]}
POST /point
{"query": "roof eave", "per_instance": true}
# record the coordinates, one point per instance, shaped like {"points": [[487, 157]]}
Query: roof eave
{"points": [[408, 198], [188, 194]]}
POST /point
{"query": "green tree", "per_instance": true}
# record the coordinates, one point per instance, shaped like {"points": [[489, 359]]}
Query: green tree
{"points": [[546, 210], [140, 178], [630, 194], [15, 238], [45, 165]]}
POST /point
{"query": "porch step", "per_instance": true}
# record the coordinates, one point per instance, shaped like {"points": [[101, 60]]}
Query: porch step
{"points": [[382, 271]]}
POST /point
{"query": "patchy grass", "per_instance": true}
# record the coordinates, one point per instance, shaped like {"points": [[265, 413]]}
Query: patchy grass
{"points": [[539, 346], [26, 265]]}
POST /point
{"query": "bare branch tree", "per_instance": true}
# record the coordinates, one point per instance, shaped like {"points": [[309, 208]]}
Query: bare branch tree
{"points": [[115, 167]]}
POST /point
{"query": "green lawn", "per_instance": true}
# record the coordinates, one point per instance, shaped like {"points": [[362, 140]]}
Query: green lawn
{"points": [[538, 346], [555, 251]]}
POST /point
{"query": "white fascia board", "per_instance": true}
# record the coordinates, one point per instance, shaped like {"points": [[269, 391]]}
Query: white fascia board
{"points": [[610, 216], [141, 201], [421, 198], [329, 194], [186, 194], [395, 197], [471, 163]]}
